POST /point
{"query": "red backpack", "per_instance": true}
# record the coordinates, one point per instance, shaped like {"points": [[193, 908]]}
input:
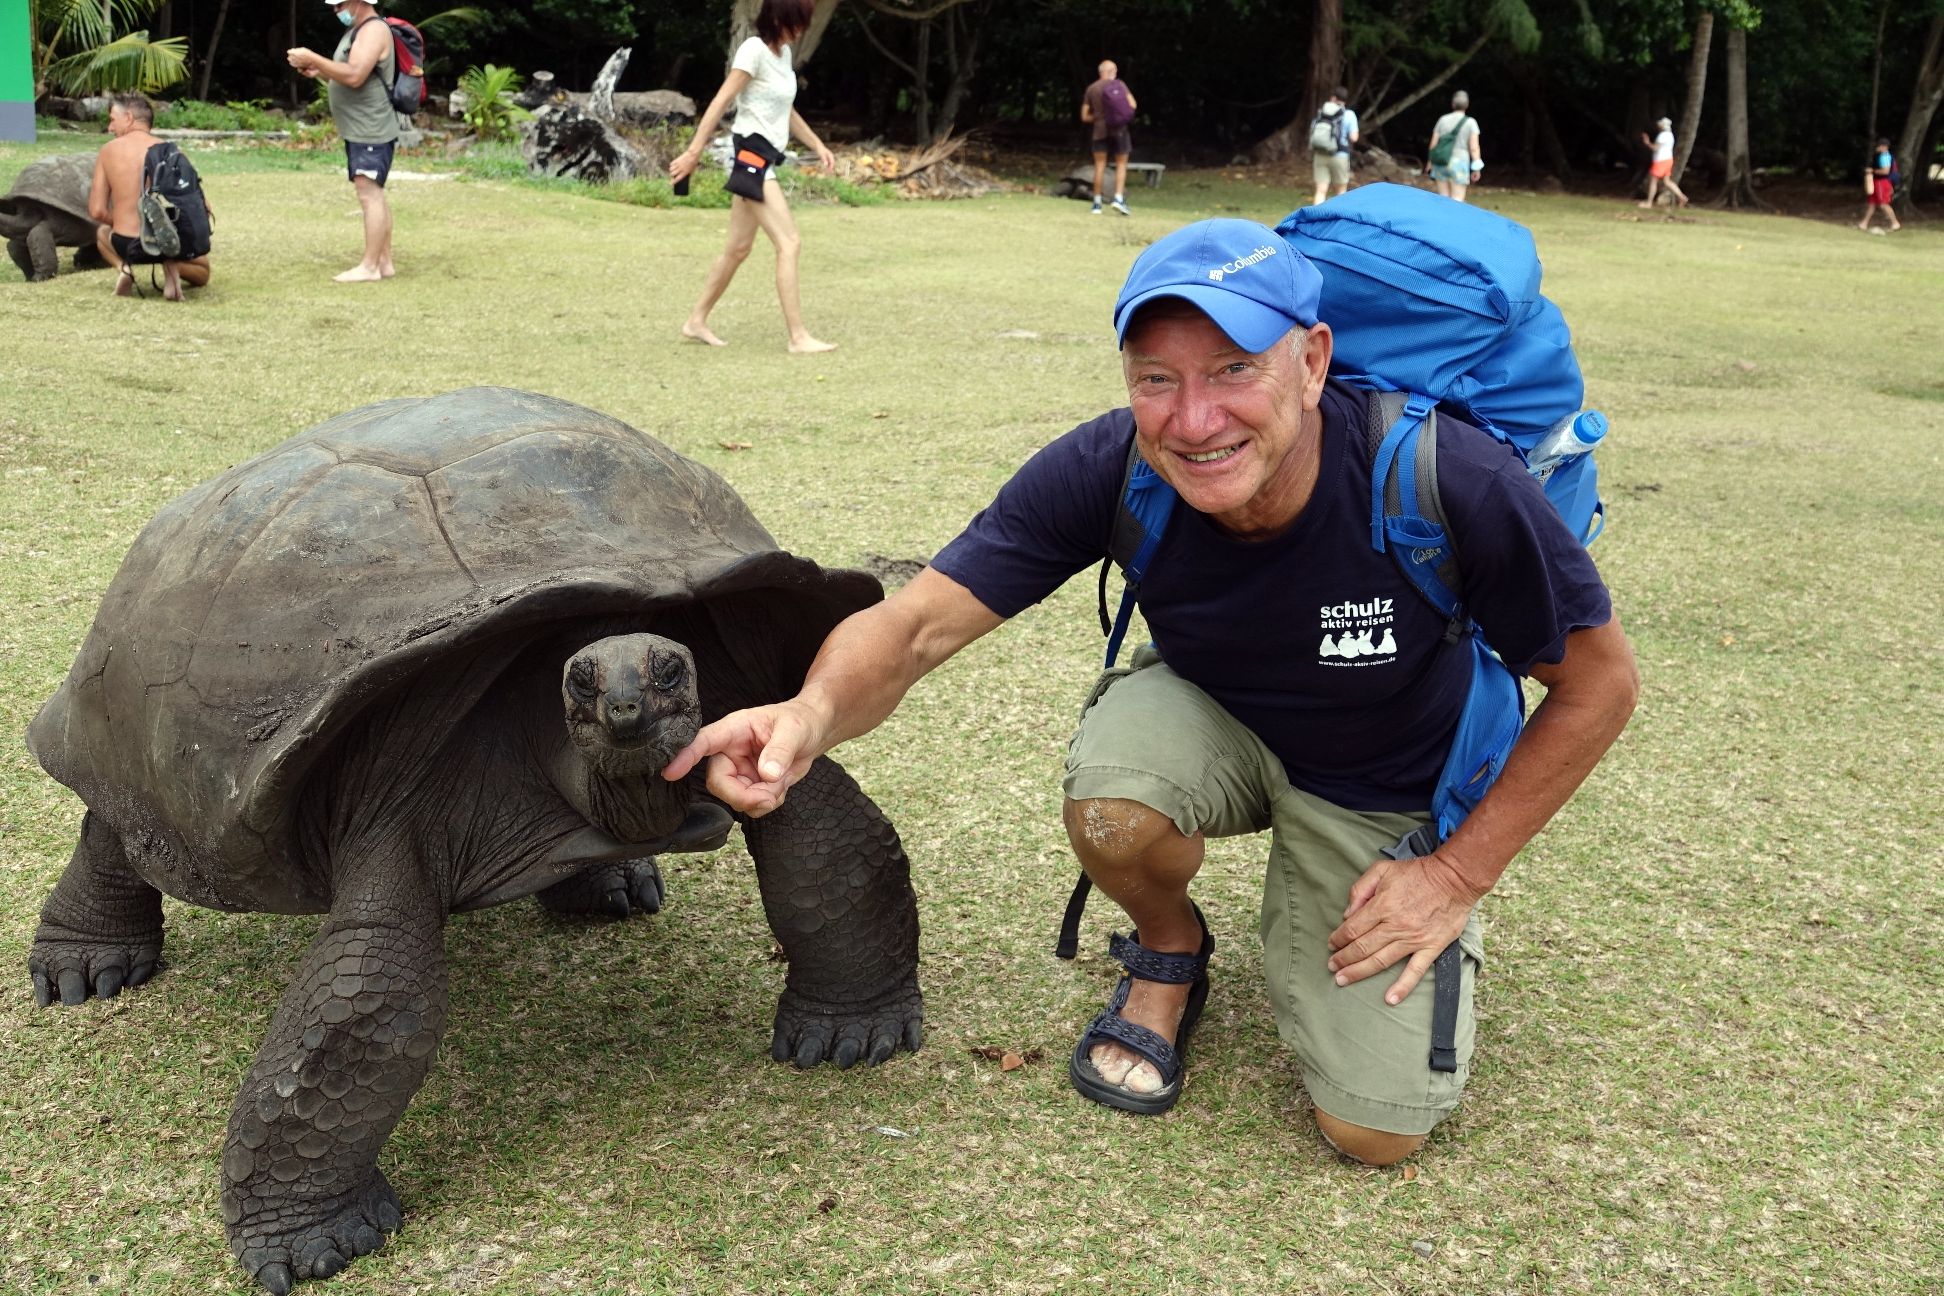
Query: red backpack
{"points": [[407, 87]]}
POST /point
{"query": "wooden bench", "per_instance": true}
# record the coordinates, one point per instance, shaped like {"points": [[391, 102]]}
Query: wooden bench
{"points": [[1078, 183]]}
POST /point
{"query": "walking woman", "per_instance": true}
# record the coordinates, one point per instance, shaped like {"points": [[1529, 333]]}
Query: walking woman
{"points": [[762, 86]]}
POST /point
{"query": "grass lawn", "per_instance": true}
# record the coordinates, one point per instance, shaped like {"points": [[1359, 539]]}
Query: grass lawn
{"points": [[1709, 1046]]}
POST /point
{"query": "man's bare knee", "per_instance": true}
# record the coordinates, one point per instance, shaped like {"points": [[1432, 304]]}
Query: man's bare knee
{"points": [[1373, 1147], [1113, 830]]}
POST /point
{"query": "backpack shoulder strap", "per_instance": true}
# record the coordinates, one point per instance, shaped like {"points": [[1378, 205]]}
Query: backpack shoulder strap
{"points": [[1407, 513], [1140, 520], [379, 66]]}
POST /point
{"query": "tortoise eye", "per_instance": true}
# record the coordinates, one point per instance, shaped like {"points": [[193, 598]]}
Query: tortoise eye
{"points": [[580, 678], [667, 674]]}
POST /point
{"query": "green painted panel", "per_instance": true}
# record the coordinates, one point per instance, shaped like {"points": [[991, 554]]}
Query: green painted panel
{"points": [[16, 68]]}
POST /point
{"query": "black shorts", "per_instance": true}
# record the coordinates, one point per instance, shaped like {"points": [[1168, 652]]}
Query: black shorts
{"points": [[1117, 141], [129, 248], [372, 161]]}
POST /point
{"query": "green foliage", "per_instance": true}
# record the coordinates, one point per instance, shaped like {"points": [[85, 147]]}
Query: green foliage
{"points": [[197, 114], [76, 49], [490, 110], [504, 162]]}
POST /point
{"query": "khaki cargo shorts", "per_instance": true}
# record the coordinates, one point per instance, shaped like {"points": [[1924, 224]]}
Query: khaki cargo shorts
{"points": [[1330, 168], [1147, 735]]}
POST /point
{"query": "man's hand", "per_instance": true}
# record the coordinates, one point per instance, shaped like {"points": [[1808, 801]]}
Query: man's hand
{"points": [[755, 756], [1400, 910], [303, 60]]}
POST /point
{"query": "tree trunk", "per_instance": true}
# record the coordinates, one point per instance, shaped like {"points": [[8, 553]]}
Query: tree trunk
{"points": [[1375, 119], [961, 61], [1739, 191], [1540, 131], [1925, 96], [742, 25], [921, 86], [1325, 56], [1697, 88], [209, 59], [1876, 66]]}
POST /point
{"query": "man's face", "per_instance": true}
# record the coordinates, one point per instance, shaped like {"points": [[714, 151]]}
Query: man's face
{"points": [[120, 121], [1229, 430]]}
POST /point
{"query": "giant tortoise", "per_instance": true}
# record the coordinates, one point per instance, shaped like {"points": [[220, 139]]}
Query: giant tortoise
{"points": [[46, 211], [429, 656]]}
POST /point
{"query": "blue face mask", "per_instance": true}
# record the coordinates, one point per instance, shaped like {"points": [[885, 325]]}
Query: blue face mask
{"points": [[344, 17]]}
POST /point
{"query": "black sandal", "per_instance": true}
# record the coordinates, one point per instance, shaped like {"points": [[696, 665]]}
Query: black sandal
{"points": [[1144, 964]]}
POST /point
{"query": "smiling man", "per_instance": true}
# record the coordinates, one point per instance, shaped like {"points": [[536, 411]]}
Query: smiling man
{"points": [[1234, 720]]}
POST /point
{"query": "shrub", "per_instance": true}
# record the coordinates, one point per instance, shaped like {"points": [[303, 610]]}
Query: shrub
{"points": [[490, 110]]}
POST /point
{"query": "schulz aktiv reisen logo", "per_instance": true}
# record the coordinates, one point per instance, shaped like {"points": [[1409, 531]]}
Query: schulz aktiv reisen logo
{"points": [[1358, 633], [1227, 268]]}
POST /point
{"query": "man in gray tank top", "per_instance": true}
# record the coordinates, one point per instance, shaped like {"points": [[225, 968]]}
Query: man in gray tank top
{"points": [[360, 74]]}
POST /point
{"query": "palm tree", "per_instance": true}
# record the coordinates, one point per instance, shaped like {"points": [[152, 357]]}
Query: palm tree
{"points": [[76, 48]]}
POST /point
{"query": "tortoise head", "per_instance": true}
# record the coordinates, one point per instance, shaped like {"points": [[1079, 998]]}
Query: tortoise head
{"points": [[631, 703]]}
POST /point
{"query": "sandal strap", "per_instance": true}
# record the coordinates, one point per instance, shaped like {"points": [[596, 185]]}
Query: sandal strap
{"points": [[1112, 1026], [1155, 965]]}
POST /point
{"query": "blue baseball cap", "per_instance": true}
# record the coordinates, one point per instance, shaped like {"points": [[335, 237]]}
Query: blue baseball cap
{"points": [[1254, 286]]}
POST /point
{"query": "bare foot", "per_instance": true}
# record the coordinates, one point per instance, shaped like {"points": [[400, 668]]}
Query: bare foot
{"points": [[807, 345], [700, 333], [171, 284], [386, 270], [1643, 206], [360, 273], [125, 282], [1156, 1005]]}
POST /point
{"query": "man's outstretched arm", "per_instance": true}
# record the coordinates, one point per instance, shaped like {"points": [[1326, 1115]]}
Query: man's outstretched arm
{"points": [[864, 669]]}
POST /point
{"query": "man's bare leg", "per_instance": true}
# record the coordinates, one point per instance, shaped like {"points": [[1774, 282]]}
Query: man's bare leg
{"points": [[742, 237], [124, 274], [171, 281], [377, 232], [773, 214], [1653, 188], [1120, 177], [1140, 860], [1100, 176]]}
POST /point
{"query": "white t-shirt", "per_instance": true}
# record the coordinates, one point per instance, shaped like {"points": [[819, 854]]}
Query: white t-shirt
{"points": [[763, 107], [1664, 146], [1460, 143]]}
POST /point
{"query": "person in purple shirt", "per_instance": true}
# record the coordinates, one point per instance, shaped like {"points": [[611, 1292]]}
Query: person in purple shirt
{"points": [[1296, 682]]}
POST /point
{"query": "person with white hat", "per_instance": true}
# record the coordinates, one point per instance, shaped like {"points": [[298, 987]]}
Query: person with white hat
{"points": [[359, 73], [1660, 173]]}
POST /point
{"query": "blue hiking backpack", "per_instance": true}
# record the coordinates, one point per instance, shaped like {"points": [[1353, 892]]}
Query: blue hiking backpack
{"points": [[1433, 304]]}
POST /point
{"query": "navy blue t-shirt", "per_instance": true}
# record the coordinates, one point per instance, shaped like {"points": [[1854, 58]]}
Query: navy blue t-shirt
{"points": [[1312, 639]]}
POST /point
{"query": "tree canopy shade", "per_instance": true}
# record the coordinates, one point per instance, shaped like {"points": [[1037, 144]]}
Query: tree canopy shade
{"points": [[1559, 85]]}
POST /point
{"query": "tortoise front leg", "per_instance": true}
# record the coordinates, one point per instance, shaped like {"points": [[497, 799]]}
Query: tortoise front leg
{"points": [[43, 252], [350, 1044], [837, 890]]}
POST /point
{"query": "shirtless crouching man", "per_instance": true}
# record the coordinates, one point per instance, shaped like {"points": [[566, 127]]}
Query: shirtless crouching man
{"points": [[112, 197]]}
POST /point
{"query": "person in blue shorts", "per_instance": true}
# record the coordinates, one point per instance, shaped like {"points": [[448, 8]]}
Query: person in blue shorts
{"points": [[1296, 683], [360, 74]]}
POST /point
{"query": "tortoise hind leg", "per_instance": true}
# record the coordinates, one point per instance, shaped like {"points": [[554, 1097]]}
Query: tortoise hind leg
{"points": [[617, 890], [101, 928], [17, 250], [837, 890], [350, 1044], [88, 257]]}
